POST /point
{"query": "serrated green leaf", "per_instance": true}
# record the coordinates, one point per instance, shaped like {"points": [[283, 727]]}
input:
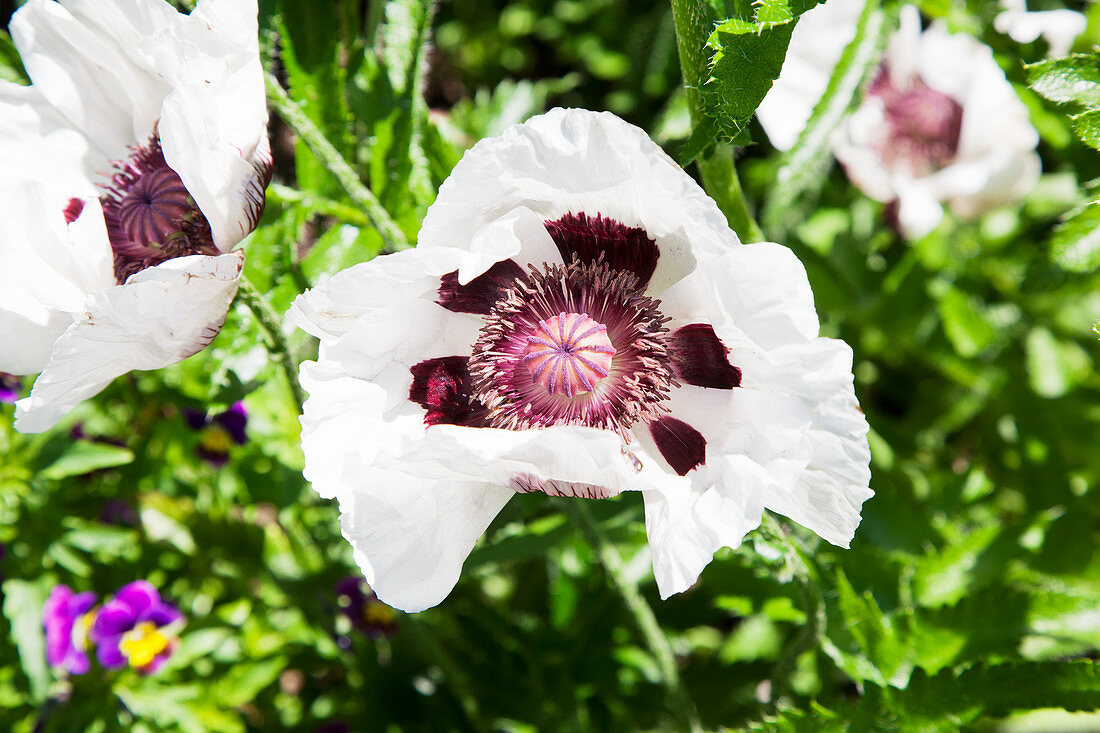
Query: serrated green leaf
{"points": [[1074, 78], [1075, 245], [747, 56], [84, 456], [1087, 127]]}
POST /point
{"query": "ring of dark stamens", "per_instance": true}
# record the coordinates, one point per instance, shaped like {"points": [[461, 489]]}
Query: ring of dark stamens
{"points": [[640, 375], [150, 216]]}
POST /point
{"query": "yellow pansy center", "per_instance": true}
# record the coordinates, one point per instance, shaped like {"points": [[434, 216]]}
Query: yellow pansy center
{"points": [[142, 644]]}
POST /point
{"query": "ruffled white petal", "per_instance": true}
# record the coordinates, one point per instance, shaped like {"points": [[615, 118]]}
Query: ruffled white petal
{"points": [[411, 536], [87, 75], [331, 308], [47, 268], [572, 160], [161, 315], [213, 123], [817, 43], [791, 438]]}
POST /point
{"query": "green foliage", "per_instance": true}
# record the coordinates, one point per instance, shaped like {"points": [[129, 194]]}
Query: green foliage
{"points": [[747, 55]]}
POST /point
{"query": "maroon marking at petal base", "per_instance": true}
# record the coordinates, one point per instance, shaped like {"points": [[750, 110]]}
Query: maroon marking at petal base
{"points": [[480, 294], [700, 358], [586, 238], [74, 210], [682, 445], [442, 387]]}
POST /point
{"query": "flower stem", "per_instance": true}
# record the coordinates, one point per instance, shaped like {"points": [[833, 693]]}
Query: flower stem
{"points": [[805, 575], [643, 615], [330, 157], [276, 342], [693, 27]]}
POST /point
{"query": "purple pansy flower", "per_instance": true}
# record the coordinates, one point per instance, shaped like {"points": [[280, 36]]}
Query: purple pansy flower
{"points": [[219, 432], [67, 616], [363, 609], [10, 387], [130, 629]]}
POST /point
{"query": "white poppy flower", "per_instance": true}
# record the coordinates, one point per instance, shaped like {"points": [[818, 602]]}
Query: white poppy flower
{"points": [[939, 122], [1059, 28], [135, 161], [577, 319]]}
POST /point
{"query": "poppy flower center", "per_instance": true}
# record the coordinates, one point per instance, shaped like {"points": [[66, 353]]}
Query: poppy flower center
{"points": [[150, 216], [924, 123], [569, 354]]}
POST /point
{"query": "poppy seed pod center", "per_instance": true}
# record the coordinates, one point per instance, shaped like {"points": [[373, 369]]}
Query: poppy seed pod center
{"points": [[150, 216], [569, 354]]}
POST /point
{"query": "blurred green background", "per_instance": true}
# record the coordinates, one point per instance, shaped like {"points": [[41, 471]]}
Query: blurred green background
{"points": [[971, 594]]}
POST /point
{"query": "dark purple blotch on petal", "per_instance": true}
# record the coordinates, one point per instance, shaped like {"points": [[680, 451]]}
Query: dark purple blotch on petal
{"points": [[681, 445], [480, 294], [585, 239], [442, 387], [73, 210], [700, 358]]}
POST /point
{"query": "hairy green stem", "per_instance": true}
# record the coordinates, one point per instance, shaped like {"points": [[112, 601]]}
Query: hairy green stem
{"points": [[276, 342], [693, 27], [721, 182], [643, 615], [805, 575], [330, 157]]}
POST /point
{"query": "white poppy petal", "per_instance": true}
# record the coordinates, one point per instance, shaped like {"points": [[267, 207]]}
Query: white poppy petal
{"points": [[213, 123], [410, 536], [159, 317], [571, 160], [331, 308], [87, 76]]}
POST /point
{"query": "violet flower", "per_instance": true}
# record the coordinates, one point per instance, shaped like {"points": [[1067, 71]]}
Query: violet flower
{"points": [[10, 387], [361, 607], [219, 432], [136, 629], [67, 617]]}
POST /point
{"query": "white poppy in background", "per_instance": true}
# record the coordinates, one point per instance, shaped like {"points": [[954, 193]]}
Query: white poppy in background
{"points": [[134, 162], [577, 319], [939, 122], [1059, 28]]}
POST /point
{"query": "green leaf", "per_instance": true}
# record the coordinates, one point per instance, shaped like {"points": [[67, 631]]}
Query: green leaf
{"points": [[1054, 366], [1075, 245], [747, 58], [1087, 127], [244, 681], [11, 66], [23, 603], [83, 457], [1071, 79], [969, 332]]}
